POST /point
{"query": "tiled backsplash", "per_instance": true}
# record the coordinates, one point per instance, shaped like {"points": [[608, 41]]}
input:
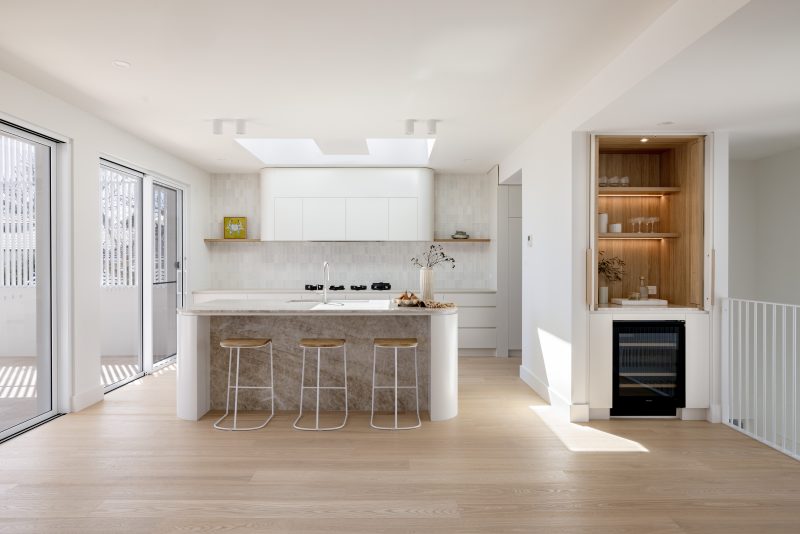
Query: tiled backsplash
{"points": [[463, 202]]}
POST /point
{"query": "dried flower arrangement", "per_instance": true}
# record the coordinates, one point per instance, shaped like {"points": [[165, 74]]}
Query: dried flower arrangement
{"points": [[432, 257], [612, 268]]}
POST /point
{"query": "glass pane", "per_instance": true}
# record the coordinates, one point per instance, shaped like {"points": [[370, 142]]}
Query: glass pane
{"points": [[26, 392], [167, 253], [648, 363], [121, 292]]}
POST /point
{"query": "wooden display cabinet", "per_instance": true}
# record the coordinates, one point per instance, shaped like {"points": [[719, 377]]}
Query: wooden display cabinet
{"points": [[666, 181]]}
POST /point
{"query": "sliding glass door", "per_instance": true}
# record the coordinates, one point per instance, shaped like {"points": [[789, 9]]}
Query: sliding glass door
{"points": [[121, 274], [167, 270], [27, 368]]}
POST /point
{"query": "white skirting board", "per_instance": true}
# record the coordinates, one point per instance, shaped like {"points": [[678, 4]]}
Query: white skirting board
{"points": [[86, 398]]}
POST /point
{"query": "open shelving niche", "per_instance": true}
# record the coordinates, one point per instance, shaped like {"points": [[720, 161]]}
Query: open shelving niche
{"points": [[666, 181]]}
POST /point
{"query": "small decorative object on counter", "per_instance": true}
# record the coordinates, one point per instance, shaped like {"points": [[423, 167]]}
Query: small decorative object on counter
{"points": [[612, 270], [460, 234], [603, 181], [625, 181], [615, 228], [434, 304], [235, 227], [407, 299], [432, 257]]}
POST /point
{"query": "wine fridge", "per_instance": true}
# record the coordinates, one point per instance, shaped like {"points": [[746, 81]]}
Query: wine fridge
{"points": [[649, 370]]}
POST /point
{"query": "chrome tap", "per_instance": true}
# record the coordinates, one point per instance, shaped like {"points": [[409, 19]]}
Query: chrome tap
{"points": [[326, 278]]}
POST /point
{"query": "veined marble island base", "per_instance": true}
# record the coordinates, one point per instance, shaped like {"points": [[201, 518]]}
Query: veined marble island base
{"points": [[203, 365], [286, 332]]}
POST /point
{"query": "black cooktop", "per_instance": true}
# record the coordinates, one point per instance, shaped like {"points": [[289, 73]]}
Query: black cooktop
{"points": [[375, 286]]}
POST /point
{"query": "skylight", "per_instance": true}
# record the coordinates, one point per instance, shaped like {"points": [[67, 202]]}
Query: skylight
{"points": [[404, 152]]}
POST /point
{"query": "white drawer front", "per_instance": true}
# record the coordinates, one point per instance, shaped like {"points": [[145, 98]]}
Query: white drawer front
{"points": [[477, 338], [477, 317], [470, 299]]}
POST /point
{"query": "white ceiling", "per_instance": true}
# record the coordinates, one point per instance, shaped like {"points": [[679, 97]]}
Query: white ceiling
{"points": [[345, 69], [743, 76]]}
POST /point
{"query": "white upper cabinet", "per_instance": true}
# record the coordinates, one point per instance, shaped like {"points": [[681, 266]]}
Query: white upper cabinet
{"points": [[288, 219], [403, 219], [367, 219], [324, 219], [343, 204]]}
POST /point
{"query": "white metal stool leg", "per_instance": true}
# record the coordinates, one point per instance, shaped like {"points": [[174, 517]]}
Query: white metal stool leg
{"points": [[396, 389], [237, 387], [302, 389], [319, 387]]}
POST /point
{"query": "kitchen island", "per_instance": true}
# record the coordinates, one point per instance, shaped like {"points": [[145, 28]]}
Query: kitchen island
{"points": [[202, 364]]}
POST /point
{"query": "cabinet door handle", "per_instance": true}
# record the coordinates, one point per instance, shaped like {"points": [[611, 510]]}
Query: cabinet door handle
{"points": [[713, 275], [589, 279]]}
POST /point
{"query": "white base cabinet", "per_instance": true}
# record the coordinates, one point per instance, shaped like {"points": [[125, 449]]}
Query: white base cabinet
{"points": [[698, 355]]}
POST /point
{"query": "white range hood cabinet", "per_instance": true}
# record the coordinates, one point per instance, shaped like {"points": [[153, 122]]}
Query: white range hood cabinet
{"points": [[346, 204]]}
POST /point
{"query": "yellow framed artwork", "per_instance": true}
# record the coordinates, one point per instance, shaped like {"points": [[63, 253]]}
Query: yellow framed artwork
{"points": [[235, 227]]}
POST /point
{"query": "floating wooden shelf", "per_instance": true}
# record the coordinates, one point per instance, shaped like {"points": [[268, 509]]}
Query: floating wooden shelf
{"points": [[639, 235], [637, 191], [470, 240], [221, 240]]}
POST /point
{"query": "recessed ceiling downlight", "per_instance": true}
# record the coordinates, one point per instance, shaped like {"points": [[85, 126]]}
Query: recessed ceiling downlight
{"points": [[644, 139], [665, 123], [121, 64]]}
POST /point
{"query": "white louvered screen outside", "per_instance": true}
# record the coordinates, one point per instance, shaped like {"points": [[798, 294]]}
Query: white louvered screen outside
{"points": [[119, 197], [160, 233], [17, 212]]}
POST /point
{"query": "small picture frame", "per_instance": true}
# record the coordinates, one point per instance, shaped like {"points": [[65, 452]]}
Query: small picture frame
{"points": [[235, 227]]}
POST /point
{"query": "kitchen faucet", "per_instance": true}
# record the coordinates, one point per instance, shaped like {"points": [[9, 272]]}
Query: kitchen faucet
{"points": [[326, 277]]}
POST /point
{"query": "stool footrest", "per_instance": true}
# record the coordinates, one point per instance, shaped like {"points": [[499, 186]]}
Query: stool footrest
{"points": [[251, 387], [324, 387], [392, 387]]}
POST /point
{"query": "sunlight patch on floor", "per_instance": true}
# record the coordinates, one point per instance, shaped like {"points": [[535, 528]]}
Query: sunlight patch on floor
{"points": [[17, 381], [581, 438]]}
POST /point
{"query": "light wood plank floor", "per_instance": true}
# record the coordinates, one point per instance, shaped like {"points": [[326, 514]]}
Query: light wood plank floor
{"points": [[506, 464]]}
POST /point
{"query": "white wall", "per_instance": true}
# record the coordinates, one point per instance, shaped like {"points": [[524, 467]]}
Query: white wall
{"points": [[91, 138], [743, 215], [764, 223], [463, 202]]}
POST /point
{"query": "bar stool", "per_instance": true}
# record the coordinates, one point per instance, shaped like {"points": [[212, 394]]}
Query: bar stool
{"points": [[396, 344], [239, 344], [320, 344]]}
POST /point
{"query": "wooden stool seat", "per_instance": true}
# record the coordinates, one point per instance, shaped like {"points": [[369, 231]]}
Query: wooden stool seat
{"points": [[399, 342], [244, 343], [321, 343]]}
